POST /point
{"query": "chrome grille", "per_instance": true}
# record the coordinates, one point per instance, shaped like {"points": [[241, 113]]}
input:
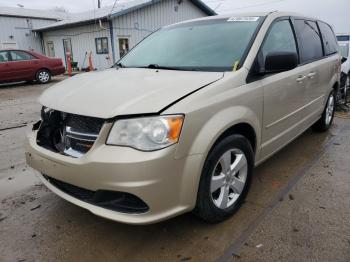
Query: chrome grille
{"points": [[68, 134]]}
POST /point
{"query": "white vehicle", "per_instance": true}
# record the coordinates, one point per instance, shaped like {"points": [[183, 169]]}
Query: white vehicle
{"points": [[344, 46]]}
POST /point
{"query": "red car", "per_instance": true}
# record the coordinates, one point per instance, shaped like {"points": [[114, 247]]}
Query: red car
{"points": [[20, 65]]}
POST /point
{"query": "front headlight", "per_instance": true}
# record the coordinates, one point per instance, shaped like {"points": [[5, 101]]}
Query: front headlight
{"points": [[146, 133]]}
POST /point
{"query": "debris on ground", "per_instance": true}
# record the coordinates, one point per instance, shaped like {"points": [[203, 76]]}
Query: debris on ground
{"points": [[259, 246], [38, 206]]}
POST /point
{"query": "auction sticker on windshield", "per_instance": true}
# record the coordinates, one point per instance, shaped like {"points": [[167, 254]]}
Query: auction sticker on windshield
{"points": [[244, 19]]}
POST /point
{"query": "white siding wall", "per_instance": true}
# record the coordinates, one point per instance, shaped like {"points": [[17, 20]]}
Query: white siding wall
{"points": [[151, 18], [83, 40], [135, 26], [20, 29]]}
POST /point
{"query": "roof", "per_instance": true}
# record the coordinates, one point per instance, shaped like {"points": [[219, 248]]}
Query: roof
{"points": [[31, 13], [104, 13]]}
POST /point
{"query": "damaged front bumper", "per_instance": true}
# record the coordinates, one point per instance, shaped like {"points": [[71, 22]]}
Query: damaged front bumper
{"points": [[160, 185]]}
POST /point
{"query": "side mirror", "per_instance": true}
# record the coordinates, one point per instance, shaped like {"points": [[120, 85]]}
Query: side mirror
{"points": [[343, 59], [277, 62]]}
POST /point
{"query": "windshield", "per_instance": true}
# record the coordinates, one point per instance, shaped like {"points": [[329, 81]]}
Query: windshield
{"points": [[344, 50], [209, 45]]}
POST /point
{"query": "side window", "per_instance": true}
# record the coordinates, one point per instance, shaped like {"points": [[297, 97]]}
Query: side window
{"points": [[329, 40], [4, 57], [280, 38], [309, 40], [101, 45], [21, 56]]}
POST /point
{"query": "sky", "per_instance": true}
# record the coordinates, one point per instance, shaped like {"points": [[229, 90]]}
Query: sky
{"points": [[335, 12]]}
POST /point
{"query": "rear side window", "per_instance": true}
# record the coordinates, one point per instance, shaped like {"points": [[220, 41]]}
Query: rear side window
{"points": [[310, 44], [280, 38], [20, 56], [329, 41]]}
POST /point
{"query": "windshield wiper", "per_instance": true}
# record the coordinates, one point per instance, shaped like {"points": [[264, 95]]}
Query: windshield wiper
{"points": [[156, 66]]}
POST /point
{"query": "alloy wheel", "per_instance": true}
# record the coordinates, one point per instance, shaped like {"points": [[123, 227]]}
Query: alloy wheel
{"points": [[330, 110], [44, 76], [229, 178]]}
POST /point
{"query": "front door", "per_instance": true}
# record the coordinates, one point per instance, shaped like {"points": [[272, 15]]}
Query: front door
{"points": [[123, 46], [50, 49], [284, 93]]}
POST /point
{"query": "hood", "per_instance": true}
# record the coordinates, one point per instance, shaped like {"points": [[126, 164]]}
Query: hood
{"points": [[126, 91]]}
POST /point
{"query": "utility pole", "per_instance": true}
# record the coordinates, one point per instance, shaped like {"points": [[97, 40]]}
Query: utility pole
{"points": [[99, 3]]}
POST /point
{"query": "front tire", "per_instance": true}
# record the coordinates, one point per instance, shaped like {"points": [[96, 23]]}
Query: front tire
{"points": [[43, 76], [326, 120], [225, 180]]}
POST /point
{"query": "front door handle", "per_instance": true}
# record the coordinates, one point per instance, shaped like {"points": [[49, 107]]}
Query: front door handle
{"points": [[301, 79], [311, 75]]}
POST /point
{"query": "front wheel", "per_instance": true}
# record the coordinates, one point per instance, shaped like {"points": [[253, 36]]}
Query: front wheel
{"points": [[43, 76], [326, 120], [225, 179]]}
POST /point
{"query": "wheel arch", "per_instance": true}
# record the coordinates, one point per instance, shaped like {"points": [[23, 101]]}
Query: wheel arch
{"points": [[243, 129], [42, 68]]}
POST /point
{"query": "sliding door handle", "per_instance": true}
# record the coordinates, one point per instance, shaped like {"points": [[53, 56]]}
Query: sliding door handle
{"points": [[311, 75], [301, 79]]}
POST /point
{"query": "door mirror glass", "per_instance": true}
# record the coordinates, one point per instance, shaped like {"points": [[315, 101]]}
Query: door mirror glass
{"points": [[276, 62]]}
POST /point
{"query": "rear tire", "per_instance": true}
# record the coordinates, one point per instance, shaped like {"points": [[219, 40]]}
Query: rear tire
{"points": [[326, 120], [225, 180], [43, 76], [346, 87]]}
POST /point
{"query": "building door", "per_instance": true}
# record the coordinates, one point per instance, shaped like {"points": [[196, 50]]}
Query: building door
{"points": [[67, 47], [50, 49], [123, 46]]}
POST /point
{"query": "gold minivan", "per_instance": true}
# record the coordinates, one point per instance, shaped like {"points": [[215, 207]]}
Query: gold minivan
{"points": [[179, 123]]}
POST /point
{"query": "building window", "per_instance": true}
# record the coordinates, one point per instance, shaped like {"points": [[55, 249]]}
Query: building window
{"points": [[101, 45], [123, 46]]}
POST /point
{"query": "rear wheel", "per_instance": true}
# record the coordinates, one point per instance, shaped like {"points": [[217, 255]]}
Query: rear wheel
{"points": [[326, 120], [43, 76], [225, 179], [346, 87]]}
